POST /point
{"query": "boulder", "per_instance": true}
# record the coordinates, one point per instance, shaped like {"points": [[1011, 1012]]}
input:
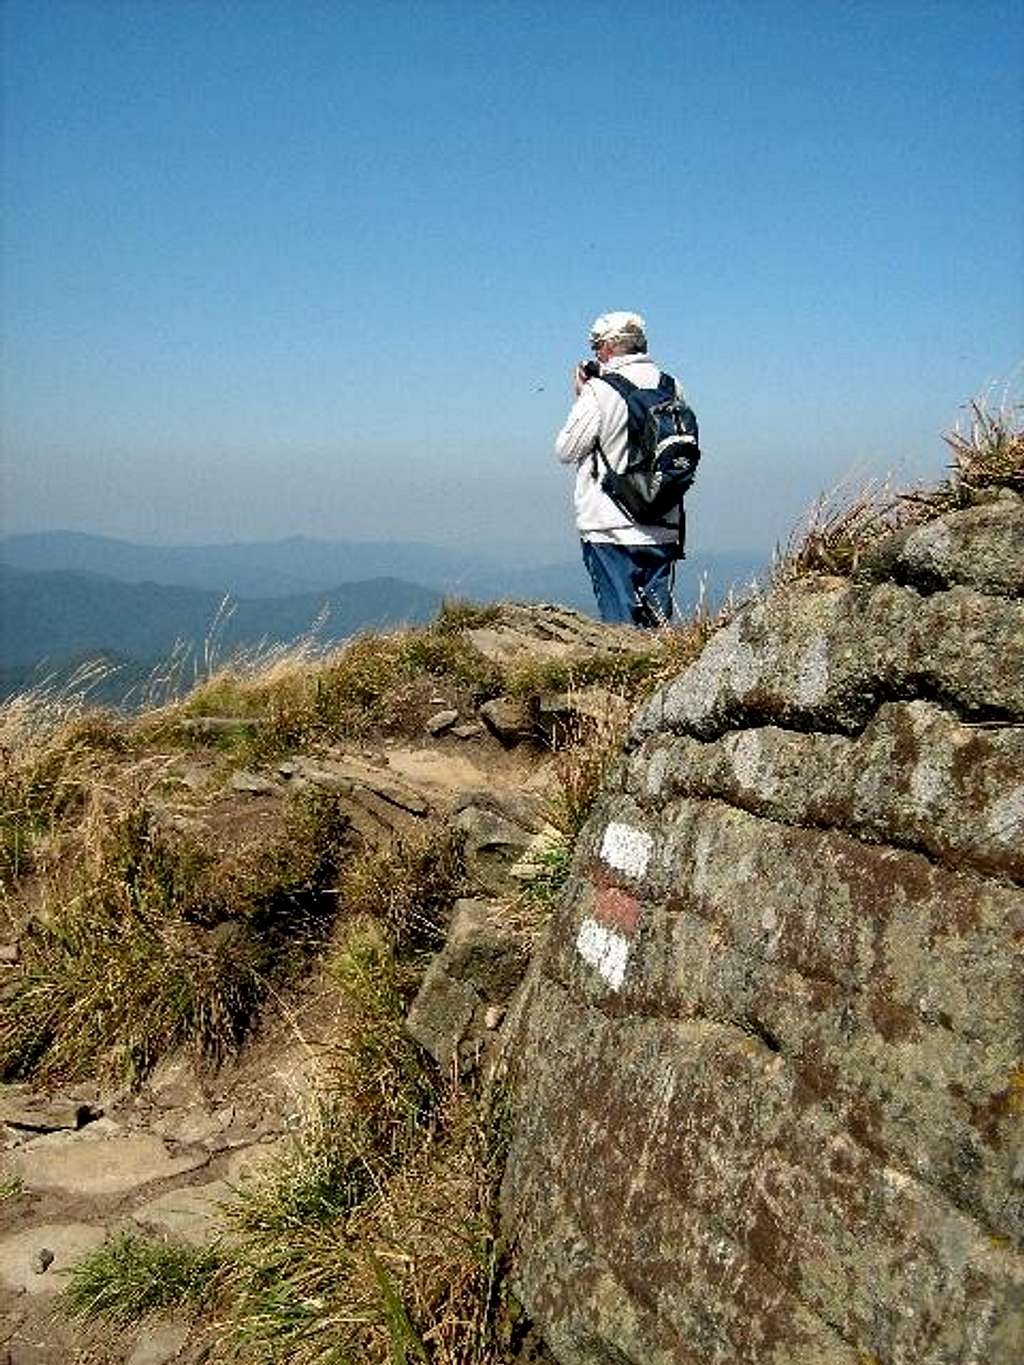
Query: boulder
{"points": [[495, 839], [480, 966], [507, 719], [767, 1068], [542, 630], [441, 721], [98, 1160]]}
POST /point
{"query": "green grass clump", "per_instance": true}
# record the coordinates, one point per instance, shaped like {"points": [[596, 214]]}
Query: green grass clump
{"points": [[11, 1187], [457, 614], [150, 941], [129, 1278], [551, 866], [408, 886], [376, 683]]}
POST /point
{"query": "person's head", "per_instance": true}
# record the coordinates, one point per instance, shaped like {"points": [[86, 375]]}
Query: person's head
{"points": [[618, 334]]}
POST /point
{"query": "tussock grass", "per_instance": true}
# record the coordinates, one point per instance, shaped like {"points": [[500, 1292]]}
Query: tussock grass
{"points": [[54, 749], [129, 1278], [551, 867], [408, 886], [149, 940], [375, 1238], [458, 614], [376, 683], [987, 447], [840, 528], [988, 443], [582, 766]]}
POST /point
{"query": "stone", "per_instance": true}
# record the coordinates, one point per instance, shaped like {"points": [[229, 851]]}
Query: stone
{"points": [[190, 1214], [60, 1245], [246, 1162], [531, 865], [192, 1125], [546, 631], [159, 1343], [472, 729], [824, 654], [765, 1071], [22, 1108], [507, 719], [253, 784], [173, 1083], [442, 1013], [494, 841], [441, 721], [979, 547], [88, 1163], [353, 775], [9, 954], [481, 964]]}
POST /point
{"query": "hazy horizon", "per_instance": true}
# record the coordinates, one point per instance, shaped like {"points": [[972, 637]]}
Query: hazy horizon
{"points": [[312, 269]]}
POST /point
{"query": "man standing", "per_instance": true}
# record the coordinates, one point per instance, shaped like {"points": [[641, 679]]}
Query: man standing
{"points": [[629, 554]]}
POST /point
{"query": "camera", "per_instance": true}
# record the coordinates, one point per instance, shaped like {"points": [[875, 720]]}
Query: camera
{"points": [[589, 369]]}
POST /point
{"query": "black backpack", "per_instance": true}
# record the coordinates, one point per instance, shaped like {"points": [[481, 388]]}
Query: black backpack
{"points": [[663, 452]]}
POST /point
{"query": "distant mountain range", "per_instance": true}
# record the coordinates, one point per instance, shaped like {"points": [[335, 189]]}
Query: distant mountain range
{"points": [[67, 597], [50, 622]]}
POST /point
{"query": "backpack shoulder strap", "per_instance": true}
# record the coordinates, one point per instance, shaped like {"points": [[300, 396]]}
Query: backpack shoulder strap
{"points": [[622, 386]]}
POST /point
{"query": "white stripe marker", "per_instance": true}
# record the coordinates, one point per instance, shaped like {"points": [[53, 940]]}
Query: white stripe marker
{"points": [[627, 849], [605, 950]]}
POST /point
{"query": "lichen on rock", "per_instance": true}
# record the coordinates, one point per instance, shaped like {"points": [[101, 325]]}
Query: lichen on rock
{"points": [[767, 1065]]}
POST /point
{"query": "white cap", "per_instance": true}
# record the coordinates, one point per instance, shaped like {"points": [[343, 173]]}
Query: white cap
{"points": [[619, 327]]}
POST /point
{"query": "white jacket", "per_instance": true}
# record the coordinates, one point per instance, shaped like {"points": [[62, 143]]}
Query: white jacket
{"points": [[601, 412]]}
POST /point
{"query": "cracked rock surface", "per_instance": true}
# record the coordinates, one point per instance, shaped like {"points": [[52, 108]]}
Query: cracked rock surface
{"points": [[768, 1066]]}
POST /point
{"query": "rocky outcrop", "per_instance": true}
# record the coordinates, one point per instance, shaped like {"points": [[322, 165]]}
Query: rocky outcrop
{"points": [[768, 1067]]}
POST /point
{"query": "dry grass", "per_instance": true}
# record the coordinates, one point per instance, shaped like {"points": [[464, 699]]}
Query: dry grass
{"points": [[54, 750], [987, 447], [375, 1238], [408, 886], [376, 683], [839, 530], [582, 766], [148, 940], [988, 443]]}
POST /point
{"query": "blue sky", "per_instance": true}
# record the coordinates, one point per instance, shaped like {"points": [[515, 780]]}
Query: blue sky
{"points": [[310, 268]]}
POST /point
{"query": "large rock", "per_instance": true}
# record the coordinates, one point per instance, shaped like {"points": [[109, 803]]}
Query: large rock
{"points": [[768, 1066], [98, 1160], [481, 964], [542, 630], [36, 1260]]}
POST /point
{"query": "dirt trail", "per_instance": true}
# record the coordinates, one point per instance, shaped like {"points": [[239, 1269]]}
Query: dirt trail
{"points": [[88, 1163]]}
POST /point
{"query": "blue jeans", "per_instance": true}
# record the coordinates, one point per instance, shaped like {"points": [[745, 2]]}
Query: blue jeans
{"points": [[632, 583]]}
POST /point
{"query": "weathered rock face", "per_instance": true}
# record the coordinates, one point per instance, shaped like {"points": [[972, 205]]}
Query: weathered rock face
{"points": [[768, 1067]]}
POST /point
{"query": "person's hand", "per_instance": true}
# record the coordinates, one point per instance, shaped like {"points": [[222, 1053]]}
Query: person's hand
{"points": [[578, 379]]}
